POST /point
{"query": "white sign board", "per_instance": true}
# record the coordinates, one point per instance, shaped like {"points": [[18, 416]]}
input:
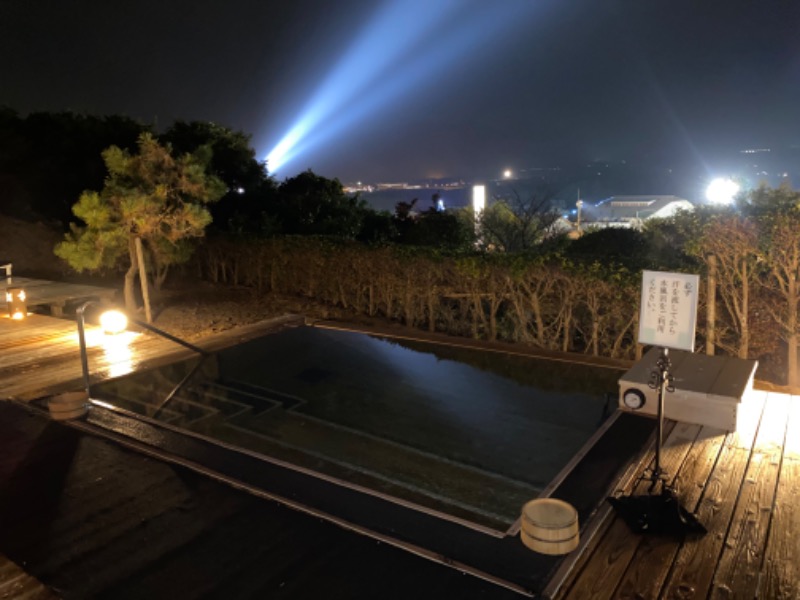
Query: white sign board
{"points": [[668, 310]]}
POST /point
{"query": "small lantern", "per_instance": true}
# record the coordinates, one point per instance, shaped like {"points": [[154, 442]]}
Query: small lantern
{"points": [[16, 301]]}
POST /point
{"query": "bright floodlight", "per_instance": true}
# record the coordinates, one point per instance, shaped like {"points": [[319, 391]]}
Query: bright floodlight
{"points": [[478, 199], [507, 173], [722, 191], [113, 321]]}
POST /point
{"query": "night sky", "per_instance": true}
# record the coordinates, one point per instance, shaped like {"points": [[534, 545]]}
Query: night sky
{"points": [[487, 84]]}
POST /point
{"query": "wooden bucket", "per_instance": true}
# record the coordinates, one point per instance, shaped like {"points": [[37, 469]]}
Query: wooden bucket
{"points": [[69, 405], [549, 526]]}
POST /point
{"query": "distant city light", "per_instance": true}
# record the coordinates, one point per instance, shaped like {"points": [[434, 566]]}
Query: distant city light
{"points": [[507, 173], [722, 191]]}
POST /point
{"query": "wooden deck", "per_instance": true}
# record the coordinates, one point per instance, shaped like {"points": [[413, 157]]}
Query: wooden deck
{"points": [[90, 518], [55, 295], [40, 355], [16, 583], [744, 487]]}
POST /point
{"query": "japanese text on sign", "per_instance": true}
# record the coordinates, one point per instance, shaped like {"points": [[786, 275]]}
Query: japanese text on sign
{"points": [[668, 310]]}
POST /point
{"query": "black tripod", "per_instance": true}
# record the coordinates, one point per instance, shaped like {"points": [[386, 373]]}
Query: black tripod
{"points": [[657, 513]]}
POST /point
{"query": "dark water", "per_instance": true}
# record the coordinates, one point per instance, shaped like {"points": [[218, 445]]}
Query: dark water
{"points": [[453, 197], [386, 200], [467, 432]]}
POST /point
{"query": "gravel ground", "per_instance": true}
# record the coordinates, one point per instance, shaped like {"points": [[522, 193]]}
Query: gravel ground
{"points": [[197, 310], [186, 308]]}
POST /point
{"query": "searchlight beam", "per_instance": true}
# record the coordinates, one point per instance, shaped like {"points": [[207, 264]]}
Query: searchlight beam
{"points": [[384, 65]]}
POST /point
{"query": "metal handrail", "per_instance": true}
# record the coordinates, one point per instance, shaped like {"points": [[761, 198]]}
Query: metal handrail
{"points": [[180, 384], [81, 319]]}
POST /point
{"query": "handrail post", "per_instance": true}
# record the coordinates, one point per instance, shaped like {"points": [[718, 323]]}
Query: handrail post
{"points": [[81, 319], [82, 341]]}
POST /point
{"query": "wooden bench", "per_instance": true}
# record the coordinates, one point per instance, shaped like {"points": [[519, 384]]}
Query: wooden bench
{"points": [[55, 295]]}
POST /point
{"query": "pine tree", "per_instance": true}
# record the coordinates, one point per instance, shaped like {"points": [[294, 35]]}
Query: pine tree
{"points": [[150, 195]]}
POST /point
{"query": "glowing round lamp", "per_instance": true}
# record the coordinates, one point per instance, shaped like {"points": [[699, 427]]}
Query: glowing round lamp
{"points": [[722, 191], [113, 322]]}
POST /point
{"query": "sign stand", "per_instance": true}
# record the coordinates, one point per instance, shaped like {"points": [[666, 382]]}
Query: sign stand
{"points": [[661, 513], [661, 380]]}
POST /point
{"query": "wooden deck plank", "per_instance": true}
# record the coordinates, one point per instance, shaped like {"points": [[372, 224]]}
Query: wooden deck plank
{"points": [[44, 351], [16, 583], [42, 292], [740, 563], [40, 355], [24, 282], [63, 288], [601, 523], [35, 326], [653, 560], [37, 378], [40, 351], [781, 572], [611, 557], [151, 529], [593, 531], [696, 561]]}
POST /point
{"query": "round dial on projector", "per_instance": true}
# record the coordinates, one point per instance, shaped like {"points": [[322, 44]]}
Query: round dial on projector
{"points": [[633, 399]]}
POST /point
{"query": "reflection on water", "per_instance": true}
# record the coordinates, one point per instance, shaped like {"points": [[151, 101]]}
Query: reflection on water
{"points": [[119, 355], [459, 430], [116, 350]]}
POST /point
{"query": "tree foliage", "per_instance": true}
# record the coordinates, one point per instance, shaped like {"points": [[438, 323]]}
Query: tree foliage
{"points": [[149, 195], [249, 189], [517, 224], [47, 159], [535, 286], [453, 230], [765, 201], [309, 204], [732, 241], [433, 227], [778, 213], [621, 246], [539, 300]]}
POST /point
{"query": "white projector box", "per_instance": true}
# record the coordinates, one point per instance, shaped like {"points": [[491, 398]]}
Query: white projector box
{"points": [[709, 390]]}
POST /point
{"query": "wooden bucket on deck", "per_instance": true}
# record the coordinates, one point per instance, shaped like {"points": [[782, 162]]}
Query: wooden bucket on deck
{"points": [[550, 526], [69, 405]]}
